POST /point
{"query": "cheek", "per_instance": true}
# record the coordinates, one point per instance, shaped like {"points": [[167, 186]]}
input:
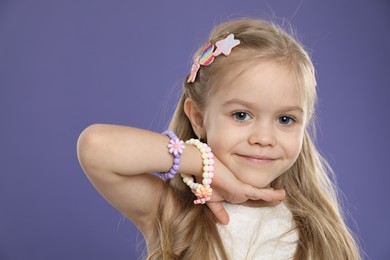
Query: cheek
{"points": [[217, 144], [297, 146], [218, 135], [294, 145], [297, 152], [222, 142]]}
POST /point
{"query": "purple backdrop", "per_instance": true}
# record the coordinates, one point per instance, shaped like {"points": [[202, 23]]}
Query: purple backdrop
{"points": [[67, 64]]}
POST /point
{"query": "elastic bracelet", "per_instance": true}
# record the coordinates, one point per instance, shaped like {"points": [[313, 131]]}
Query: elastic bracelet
{"points": [[175, 147], [202, 191]]}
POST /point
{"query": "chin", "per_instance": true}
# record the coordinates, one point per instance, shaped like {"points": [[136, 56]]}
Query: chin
{"points": [[262, 185]]}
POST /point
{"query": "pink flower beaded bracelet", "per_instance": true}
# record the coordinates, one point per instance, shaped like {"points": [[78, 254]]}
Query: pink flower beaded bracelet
{"points": [[202, 191], [175, 147]]}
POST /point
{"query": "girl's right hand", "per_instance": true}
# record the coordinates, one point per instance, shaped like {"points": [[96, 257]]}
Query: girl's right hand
{"points": [[226, 187]]}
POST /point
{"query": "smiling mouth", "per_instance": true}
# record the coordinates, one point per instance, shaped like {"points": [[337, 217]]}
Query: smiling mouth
{"points": [[256, 159]]}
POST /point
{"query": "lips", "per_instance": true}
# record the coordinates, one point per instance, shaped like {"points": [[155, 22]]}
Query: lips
{"points": [[260, 159]]}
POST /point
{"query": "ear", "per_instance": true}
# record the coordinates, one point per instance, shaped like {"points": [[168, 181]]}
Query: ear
{"points": [[195, 116]]}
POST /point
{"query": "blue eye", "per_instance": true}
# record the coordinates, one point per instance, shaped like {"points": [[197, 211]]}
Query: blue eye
{"points": [[241, 116], [286, 120]]}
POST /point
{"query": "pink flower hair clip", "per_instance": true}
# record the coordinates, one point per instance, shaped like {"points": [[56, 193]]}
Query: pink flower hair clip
{"points": [[208, 54]]}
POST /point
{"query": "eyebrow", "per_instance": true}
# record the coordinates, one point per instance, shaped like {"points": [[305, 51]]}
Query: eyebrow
{"points": [[251, 105], [240, 102]]}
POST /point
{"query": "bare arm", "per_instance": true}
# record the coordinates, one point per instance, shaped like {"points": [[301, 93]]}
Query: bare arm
{"points": [[117, 160]]}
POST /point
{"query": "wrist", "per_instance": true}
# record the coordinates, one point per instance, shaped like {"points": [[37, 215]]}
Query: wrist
{"points": [[191, 162], [202, 190]]}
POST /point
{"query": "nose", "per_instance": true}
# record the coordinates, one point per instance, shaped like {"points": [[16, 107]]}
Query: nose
{"points": [[263, 135]]}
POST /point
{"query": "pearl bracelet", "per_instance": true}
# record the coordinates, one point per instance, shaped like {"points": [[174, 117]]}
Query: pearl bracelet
{"points": [[202, 191]]}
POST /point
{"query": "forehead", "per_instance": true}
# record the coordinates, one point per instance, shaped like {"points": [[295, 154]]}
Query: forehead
{"points": [[264, 83]]}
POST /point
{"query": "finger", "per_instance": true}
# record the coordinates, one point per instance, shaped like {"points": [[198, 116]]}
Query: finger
{"points": [[219, 212]]}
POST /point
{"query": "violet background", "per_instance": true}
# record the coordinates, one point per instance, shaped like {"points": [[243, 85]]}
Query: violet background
{"points": [[67, 64]]}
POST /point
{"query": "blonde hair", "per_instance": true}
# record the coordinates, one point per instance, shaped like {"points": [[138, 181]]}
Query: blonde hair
{"points": [[190, 231]]}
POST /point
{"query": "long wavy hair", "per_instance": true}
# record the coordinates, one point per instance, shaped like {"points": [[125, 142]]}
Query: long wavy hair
{"points": [[189, 231]]}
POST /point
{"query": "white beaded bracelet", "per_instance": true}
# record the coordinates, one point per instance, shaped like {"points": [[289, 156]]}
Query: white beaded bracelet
{"points": [[202, 191]]}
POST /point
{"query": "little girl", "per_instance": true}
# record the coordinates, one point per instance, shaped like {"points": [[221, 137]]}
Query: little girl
{"points": [[237, 176]]}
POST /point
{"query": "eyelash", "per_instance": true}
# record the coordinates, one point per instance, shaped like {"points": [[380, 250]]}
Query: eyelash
{"points": [[291, 119], [235, 114]]}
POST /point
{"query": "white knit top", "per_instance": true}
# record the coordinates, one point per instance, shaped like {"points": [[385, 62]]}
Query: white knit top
{"points": [[259, 233]]}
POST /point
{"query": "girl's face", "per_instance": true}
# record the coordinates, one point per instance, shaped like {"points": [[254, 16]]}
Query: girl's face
{"points": [[255, 123]]}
